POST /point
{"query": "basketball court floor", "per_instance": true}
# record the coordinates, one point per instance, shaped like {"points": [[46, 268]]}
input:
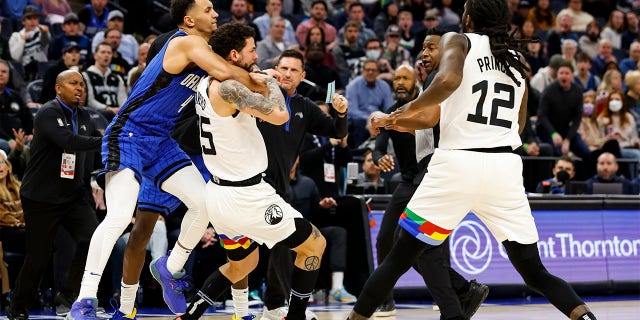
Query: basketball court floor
{"points": [[608, 308]]}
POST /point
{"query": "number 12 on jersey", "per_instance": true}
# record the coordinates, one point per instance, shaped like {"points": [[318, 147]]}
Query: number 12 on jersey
{"points": [[483, 87]]}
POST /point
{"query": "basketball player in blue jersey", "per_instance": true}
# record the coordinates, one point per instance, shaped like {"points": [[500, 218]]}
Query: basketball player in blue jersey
{"points": [[245, 209], [137, 147], [479, 97]]}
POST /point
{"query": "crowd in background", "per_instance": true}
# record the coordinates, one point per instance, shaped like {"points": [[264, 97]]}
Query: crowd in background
{"points": [[584, 84]]}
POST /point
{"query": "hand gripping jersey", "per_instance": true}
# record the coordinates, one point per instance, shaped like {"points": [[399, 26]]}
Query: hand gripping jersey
{"points": [[232, 147], [483, 111]]}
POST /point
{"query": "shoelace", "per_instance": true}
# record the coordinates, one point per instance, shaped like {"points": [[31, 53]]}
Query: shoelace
{"points": [[182, 284], [88, 310], [115, 305]]}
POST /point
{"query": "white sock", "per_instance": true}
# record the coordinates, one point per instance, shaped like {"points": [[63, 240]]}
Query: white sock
{"points": [[240, 301], [89, 288], [128, 297], [336, 280], [177, 259]]}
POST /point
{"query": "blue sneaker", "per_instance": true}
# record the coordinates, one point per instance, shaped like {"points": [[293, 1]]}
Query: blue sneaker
{"points": [[173, 285], [121, 316], [84, 309]]}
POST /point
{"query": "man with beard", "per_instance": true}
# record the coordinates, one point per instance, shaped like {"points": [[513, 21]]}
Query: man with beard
{"points": [[240, 14], [447, 286]]}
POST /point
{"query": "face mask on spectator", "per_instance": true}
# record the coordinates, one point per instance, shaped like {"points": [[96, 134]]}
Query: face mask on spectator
{"points": [[615, 105], [587, 109], [373, 54]]}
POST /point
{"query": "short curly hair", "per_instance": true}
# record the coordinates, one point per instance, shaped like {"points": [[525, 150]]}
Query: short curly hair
{"points": [[231, 36]]}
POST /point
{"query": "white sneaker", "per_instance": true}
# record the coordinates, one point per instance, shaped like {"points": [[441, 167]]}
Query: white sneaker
{"points": [[279, 313], [275, 314]]}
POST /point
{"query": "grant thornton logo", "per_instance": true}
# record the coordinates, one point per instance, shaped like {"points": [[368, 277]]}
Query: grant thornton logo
{"points": [[471, 250]]}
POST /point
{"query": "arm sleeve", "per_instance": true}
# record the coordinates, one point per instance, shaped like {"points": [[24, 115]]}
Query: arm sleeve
{"points": [[543, 112], [16, 46], [91, 98], [122, 92], [576, 120], [47, 123], [382, 142], [323, 125]]}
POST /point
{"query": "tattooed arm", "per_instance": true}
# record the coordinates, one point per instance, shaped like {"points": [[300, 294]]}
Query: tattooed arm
{"points": [[271, 108]]}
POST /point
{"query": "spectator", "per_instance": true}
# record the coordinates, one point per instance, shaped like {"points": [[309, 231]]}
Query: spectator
{"points": [[632, 80], [136, 71], [429, 22], [348, 52], [614, 28], [395, 54], [14, 114], [240, 14], [5, 52], [569, 48], [55, 10], [94, 17], [545, 76], [417, 9], [356, 14], [532, 145], [563, 171], [580, 18], [604, 56], [526, 30], [589, 41], [318, 17], [52, 190], [449, 18], [71, 32], [388, 16], [534, 55], [607, 167], [14, 9], [611, 81], [274, 10], [29, 45], [70, 60], [271, 46], [632, 30], [118, 64], [621, 125], [561, 32], [583, 75], [319, 73], [560, 113], [366, 94], [306, 198], [106, 89], [631, 62], [407, 36], [542, 16], [370, 179], [128, 47], [12, 223], [316, 34]]}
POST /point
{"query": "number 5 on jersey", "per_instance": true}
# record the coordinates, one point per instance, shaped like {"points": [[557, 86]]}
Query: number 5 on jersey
{"points": [[208, 147]]}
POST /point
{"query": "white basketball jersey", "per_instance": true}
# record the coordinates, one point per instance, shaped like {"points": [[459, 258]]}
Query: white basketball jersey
{"points": [[232, 147], [483, 111]]}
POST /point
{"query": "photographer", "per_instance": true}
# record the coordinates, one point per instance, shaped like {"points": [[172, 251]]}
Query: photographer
{"points": [[563, 171]]}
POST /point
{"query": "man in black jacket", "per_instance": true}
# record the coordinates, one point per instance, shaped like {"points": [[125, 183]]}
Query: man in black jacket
{"points": [[52, 189], [283, 146]]}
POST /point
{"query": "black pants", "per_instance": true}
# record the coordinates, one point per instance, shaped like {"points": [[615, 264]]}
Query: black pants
{"points": [[42, 221], [280, 266], [433, 265]]}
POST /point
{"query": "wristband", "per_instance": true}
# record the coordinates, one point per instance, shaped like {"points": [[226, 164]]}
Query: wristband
{"points": [[341, 114], [524, 146]]}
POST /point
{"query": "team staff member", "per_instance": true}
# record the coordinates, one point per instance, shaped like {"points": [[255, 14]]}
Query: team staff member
{"points": [[283, 147], [51, 190]]}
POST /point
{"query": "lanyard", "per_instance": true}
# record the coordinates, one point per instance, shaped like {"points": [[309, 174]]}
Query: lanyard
{"points": [[73, 115], [287, 100], [316, 140]]}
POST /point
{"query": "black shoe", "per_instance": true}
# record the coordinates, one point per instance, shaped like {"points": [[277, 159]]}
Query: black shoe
{"points": [[62, 300], [386, 309], [17, 315], [471, 300]]}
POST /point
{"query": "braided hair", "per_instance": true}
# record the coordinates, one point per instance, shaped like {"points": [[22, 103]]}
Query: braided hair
{"points": [[492, 18]]}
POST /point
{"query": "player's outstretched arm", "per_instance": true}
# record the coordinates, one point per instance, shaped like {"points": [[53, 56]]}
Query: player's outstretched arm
{"points": [[424, 111], [271, 108], [197, 50]]}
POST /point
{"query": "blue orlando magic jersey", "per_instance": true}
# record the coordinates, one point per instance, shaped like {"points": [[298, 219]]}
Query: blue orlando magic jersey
{"points": [[156, 100]]}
